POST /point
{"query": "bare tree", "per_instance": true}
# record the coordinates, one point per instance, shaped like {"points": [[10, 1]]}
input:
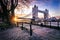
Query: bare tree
{"points": [[7, 7]]}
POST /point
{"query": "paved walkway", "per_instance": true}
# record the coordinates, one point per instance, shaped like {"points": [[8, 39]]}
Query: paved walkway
{"points": [[39, 33]]}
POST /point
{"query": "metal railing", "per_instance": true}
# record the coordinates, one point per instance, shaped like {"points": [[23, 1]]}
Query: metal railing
{"points": [[44, 23]]}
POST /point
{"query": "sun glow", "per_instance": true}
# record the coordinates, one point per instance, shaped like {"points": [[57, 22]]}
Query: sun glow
{"points": [[15, 19]]}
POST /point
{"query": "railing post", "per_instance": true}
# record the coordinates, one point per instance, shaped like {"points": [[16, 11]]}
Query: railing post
{"points": [[58, 24], [22, 26], [31, 28], [50, 23], [17, 24]]}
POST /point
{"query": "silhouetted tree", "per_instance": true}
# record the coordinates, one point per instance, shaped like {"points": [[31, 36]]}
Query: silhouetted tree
{"points": [[7, 7]]}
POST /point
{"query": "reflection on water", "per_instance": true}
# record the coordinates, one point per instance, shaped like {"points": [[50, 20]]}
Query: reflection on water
{"points": [[23, 20]]}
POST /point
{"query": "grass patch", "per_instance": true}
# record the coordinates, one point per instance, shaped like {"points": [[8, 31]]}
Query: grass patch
{"points": [[4, 25]]}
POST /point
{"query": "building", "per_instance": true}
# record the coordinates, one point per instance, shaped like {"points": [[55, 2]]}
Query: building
{"points": [[35, 12]]}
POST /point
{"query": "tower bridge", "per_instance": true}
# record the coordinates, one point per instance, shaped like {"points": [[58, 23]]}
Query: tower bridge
{"points": [[35, 11]]}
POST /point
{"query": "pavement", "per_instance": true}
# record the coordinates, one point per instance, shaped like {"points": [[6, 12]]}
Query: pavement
{"points": [[39, 33]]}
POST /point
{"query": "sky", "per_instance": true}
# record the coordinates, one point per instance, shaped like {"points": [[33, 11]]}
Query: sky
{"points": [[52, 5]]}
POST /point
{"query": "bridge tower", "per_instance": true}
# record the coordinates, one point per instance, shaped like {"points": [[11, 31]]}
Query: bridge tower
{"points": [[46, 14], [35, 12]]}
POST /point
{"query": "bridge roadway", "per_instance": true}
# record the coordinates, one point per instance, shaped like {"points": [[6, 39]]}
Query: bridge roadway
{"points": [[39, 33]]}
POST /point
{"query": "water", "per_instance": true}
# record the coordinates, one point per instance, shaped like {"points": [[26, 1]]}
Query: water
{"points": [[53, 23]]}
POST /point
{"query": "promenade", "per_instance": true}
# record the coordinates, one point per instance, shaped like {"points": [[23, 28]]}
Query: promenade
{"points": [[39, 33]]}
